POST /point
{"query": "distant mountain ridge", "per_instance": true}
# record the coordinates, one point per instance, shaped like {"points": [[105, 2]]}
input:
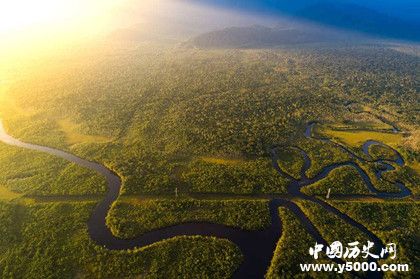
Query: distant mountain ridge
{"points": [[259, 36], [312, 21], [380, 18]]}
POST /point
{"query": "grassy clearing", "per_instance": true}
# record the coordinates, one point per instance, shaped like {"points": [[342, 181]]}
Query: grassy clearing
{"points": [[363, 124], [7, 195], [355, 138], [73, 136], [222, 161]]}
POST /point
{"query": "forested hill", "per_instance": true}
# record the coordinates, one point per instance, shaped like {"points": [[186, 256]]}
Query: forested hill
{"points": [[259, 36], [379, 18]]}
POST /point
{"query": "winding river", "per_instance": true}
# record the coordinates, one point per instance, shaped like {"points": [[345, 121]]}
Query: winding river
{"points": [[256, 246]]}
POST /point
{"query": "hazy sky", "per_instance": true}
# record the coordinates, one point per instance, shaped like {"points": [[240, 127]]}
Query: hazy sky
{"points": [[18, 17], [29, 22], [406, 9], [397, 19], [51, 21]]}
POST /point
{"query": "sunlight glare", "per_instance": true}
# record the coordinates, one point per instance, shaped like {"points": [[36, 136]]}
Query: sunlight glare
{"points": [[40, 15]]}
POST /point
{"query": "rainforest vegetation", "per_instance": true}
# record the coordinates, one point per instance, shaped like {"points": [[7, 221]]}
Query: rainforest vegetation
{"points": [[128, 219], [394, 222], [191, 133], [291, 250], [344, 180], [50, 241]]}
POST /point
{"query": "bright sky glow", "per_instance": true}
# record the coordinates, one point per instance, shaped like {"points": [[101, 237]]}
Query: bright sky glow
{"points": [[30, 24], [24, 15], [17, 15]]}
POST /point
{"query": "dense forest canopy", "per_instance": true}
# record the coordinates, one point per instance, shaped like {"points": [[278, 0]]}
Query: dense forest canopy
{"points": [[202, 123], [257, 95], [148, 110]]}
